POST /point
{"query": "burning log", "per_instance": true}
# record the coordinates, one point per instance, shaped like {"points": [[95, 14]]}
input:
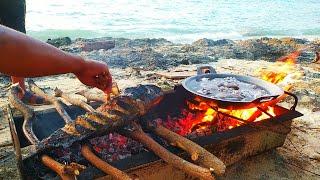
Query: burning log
{"points": [[74, 101], [192, 169], [27, 112], [51, 99], [198, 153], [66, 172], [102, 165]]}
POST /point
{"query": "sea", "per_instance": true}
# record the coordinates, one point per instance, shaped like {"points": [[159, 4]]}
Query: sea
{"points": [[180, 21]]}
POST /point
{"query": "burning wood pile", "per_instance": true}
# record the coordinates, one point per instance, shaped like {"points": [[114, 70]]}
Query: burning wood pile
{"points": [[116, 129], [121, 111]]}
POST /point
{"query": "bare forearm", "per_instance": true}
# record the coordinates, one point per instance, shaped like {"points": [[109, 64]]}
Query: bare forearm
{"points": [[23, 56]]}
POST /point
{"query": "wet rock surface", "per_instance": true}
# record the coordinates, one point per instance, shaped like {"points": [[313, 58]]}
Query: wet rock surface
{"points": [[156, 54], [57, 42]]}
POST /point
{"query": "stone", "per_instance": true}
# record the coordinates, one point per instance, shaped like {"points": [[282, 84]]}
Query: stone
{"points": [[316, 109], [90, 46], [57, 42], [209, 42], [305, 99]]}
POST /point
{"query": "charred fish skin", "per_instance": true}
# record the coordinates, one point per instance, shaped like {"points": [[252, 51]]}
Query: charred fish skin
{"points": [[110, 116]]}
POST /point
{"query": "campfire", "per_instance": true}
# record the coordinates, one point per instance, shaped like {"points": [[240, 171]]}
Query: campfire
{"points": [[205, 117], [113, 138]]}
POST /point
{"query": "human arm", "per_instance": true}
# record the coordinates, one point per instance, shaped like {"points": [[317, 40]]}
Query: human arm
{"points": [[23, 56]]}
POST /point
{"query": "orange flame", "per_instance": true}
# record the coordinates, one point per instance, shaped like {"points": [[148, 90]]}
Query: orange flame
{"points": [[278, 71]]}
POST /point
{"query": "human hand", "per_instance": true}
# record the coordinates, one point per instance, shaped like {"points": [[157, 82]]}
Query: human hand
{"points": [[96, 74]]}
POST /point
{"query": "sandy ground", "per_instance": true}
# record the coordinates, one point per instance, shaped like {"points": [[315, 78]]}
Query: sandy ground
{"points": [[299, 158]]}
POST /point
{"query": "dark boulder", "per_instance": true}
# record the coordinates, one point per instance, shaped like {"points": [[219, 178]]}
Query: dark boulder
{"points": [[63, 41]]}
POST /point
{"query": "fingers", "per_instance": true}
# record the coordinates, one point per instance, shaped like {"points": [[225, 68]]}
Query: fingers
{"points": [[104, 82], [96, 74]]}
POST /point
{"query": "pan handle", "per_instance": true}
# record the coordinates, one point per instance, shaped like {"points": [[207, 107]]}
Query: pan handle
{"points": [[264, 99], [205, 69]]}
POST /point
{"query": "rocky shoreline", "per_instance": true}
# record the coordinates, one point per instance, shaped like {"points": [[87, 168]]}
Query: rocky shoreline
{"points": [[153, 54]]}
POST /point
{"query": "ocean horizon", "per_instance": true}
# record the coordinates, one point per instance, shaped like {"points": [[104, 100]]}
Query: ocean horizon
{"points": [[178, 21]]}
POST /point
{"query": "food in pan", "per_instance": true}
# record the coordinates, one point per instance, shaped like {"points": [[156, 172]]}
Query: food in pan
{"points": [[230, 89]]}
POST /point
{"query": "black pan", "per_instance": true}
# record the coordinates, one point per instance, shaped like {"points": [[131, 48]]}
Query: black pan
{"points": [[192, 85]]}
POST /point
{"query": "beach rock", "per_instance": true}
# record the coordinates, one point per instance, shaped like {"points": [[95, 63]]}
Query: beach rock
{"points": [[293, 41], [188, 48], [57, 42], [146, 42], [306, 56], [154, 54], [90, 46], [209, 42]]}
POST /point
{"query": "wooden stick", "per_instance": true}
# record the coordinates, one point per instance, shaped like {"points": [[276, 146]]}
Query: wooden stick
{"points": [[93, 97], [53, 100], [102, 165], [100, 97], [66, 172], [198, 153], [27, 112], [74, 101], [192, 169]]}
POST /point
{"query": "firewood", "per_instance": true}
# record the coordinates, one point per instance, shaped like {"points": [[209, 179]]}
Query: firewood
{"points": [[53, 100], [66, 172], [192, 169], [74, 101], [198, 153], [102, 165], [27, 112], [206, 159]]}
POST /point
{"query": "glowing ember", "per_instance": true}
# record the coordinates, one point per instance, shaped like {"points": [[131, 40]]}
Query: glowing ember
{"points": [[114, 147], [203, 117]]}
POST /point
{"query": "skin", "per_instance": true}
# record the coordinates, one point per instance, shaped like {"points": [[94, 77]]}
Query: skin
{"points": [[23, 56]]}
